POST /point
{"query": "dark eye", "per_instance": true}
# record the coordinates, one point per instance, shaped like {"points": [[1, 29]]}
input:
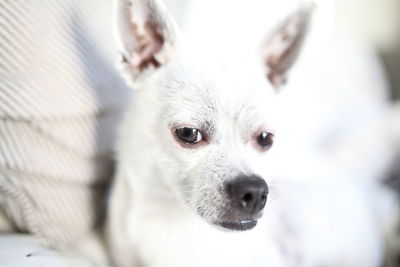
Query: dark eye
{"points": [[265, 140], [189, 135]]}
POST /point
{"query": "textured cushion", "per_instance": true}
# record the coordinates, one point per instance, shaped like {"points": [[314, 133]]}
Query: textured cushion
{"points": [[27, 251], [60, 103], [24, 251]]}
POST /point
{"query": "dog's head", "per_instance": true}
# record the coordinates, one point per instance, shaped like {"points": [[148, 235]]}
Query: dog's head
{"points": [[211, 126]]}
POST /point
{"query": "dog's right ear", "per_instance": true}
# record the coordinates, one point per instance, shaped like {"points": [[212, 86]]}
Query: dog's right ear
{"points": [[147, 35]]}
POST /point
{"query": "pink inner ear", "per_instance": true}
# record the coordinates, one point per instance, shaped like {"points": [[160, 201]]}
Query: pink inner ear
{"points": [[280, 59], [149, 43], [150, 47], [283, 48], [146, 36]]}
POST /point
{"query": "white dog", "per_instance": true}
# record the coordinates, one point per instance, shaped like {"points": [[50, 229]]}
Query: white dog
{"points": [[194, 146], [193, 158]]}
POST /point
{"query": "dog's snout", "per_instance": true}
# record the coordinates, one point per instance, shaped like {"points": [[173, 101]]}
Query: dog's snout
{"points": [[248, 194]]}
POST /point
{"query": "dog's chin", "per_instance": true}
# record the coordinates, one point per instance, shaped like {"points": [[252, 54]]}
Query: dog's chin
{"points": [[242, 225]]}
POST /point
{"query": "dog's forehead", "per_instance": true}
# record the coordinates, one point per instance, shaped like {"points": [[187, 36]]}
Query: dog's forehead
{"points": [[216, 90]]}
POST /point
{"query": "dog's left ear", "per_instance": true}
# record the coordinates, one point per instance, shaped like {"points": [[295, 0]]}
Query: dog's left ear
{"points": [[147, 34], [282, 47]]}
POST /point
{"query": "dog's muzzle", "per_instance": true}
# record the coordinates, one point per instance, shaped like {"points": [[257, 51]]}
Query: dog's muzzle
{"points": [[248, 196]]}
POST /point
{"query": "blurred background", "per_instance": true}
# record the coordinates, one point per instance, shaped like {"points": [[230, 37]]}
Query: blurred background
{"points": [[378, 23]]}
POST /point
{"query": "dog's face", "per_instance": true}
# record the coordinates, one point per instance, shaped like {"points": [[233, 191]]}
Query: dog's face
{"points": [[216, 133], [213, 125]]}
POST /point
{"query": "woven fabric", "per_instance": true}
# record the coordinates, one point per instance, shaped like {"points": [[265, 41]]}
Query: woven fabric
{"points": [[60, 103]]}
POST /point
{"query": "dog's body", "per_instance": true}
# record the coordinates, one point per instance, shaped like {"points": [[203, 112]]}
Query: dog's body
{"points": [[194, 156]]}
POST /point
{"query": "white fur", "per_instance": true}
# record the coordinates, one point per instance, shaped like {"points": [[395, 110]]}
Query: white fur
{"points": [[152, 170], [166, 197]]}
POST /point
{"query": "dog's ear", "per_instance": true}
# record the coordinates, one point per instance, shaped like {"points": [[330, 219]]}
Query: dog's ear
{"points": [[282, 47], [147, 34]]}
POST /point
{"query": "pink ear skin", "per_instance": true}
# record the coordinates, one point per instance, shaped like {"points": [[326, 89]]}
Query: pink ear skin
{"points": [[283, 46], [147, 33]]}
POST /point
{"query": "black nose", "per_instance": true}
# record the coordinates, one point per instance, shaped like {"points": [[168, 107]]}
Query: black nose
{"points": [[248, 194]]}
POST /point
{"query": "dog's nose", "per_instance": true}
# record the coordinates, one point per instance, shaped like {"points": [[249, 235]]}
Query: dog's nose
{"points": [[248, 194]]}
